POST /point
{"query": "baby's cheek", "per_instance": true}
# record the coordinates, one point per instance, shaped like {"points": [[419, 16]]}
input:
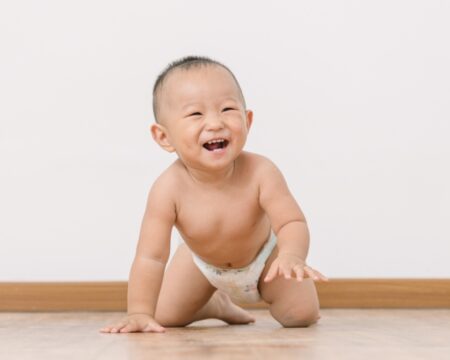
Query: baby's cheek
{"points": [[240, 128]]}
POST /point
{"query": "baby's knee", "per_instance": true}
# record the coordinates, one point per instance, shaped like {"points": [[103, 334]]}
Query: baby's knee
{"points": [[170, 319], [167, 322], [298, 316]]}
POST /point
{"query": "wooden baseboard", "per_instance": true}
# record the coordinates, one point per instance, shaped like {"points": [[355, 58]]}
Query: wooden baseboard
{"points": [[338, 293]]}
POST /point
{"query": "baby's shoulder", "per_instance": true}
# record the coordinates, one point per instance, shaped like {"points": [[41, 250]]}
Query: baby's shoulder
{"points": [[170, 179], [259, 166], [256, 162]]}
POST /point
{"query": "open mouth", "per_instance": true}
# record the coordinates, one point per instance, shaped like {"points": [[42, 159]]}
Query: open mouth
{"points": [[216, 144]]}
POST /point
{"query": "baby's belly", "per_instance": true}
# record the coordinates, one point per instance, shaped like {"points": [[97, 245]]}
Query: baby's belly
{"points": [[229, 249]]}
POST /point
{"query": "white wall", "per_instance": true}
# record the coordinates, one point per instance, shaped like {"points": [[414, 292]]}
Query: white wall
{"points": [[351, 100]]}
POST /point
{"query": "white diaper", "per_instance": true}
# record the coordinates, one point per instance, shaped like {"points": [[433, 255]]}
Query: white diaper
{"points": [[240, 284]]}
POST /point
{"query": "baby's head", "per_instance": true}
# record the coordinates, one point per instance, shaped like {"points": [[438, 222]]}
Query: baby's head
{"points": [[200, 112], [186, 64]]}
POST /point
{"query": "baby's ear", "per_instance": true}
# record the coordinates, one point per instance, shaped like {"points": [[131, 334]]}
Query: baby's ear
{"points": [[249, 118], [159, 134]]}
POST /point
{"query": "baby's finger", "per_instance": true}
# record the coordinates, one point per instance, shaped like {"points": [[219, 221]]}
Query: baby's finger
{"points": [[286, 272], [317, 276], [298, 269], [110, 328], [132, 327], [321, 276], [311, 273], [273, 271], [116, 328], [106, 329]]}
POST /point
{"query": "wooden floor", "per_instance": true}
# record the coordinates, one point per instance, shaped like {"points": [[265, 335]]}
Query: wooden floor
{"points": [[340, 334]]}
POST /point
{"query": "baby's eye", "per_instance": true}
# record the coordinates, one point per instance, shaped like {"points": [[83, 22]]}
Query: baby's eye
{"points": [[195, 114], [228, 108]]}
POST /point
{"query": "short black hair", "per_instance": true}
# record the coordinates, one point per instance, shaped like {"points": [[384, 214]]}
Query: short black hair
{"points": [[186, 63]]}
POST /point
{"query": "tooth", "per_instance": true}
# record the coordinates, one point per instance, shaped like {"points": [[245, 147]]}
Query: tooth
{"points": [[216, 141]]}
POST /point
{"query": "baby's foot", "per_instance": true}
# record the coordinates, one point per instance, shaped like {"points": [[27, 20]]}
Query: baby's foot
{"points": [[230, 312]]}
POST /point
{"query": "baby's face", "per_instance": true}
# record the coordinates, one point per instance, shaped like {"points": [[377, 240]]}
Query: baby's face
{"points": [[203, 117]]}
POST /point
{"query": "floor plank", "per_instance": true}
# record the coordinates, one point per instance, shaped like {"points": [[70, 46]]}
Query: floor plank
{"points": [[340, 334]]}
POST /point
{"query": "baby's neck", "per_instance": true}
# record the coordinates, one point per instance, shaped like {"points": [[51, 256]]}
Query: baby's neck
{"points": [[212, 178]]}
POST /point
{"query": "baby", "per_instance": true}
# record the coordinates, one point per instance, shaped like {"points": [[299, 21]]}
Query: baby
{"points": [[246, 238]]}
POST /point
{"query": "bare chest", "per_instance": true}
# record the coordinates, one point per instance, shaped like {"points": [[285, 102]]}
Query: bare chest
{"points": [[219, 215]]}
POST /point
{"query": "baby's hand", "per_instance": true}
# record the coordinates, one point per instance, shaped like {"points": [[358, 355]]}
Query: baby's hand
{"points": [[134, 323], [286, 264]]}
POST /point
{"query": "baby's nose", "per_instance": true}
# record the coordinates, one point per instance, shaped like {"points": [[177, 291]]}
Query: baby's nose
{"points": [[213, 123]]}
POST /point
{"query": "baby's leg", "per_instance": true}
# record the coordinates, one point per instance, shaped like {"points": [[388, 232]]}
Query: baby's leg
{"points": [[186, 296], [292, 303]]}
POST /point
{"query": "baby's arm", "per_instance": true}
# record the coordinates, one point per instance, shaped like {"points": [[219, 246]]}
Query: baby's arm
{"points": [[149, 263], [288, 223]]}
